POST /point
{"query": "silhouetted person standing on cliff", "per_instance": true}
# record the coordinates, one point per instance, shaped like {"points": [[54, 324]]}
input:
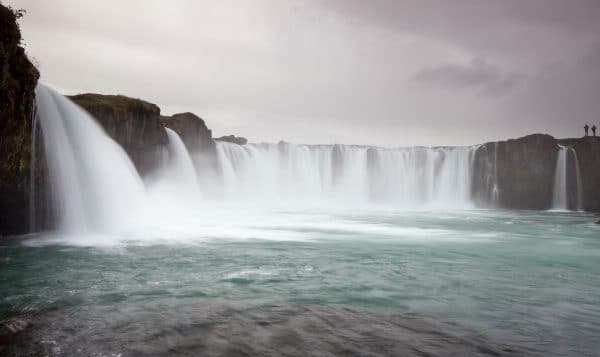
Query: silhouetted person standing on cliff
{"points": [[586, 127], [594, 130]]}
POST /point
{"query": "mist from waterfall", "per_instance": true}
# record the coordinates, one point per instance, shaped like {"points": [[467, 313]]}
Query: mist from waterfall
{"points": [[342, 174], [96, 188]]}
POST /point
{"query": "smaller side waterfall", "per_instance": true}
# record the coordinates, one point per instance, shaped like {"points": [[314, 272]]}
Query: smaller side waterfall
{"points": [[578, 181], [181, 165], [495, 191], [32, 171], [561, 198]]}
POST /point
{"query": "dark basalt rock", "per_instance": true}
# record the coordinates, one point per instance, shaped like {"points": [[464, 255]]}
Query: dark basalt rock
{"points": [[521, 169], [18, 78], [233, 139], [192, 130], [587, 150], [133, 123], [10, 329]]}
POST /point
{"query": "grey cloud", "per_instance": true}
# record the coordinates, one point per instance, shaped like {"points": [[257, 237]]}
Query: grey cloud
{"points": [[478, 74], [563, 95], [326, 71]]}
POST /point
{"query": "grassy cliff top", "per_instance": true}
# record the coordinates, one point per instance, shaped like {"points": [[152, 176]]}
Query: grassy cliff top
{"points": [[116, 103]]}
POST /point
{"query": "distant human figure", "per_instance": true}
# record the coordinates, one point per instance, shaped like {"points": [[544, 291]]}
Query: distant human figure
{"points": [[594, 130], [586, 127]]}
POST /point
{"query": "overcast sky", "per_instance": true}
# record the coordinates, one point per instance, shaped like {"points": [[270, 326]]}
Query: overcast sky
{"points": [[380, 72]]}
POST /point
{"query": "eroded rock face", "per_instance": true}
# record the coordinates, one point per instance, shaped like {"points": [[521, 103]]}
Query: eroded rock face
{"points": [[517, 173], [18, 78], [233, 139], [133, 123], [587, 150], [192, 130]]}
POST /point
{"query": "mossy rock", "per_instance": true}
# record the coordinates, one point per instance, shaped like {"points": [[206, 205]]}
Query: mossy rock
{"points": [[18, 79]]}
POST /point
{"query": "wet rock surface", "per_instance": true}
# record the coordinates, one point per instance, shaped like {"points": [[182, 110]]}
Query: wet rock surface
{"points": [[18, 78], [219, 329], [9, 329], [588, 155], [520, 170]]}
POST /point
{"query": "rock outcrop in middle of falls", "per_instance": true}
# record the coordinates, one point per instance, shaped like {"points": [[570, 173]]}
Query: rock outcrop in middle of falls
{"points": [[192, 130], [233, 139]]}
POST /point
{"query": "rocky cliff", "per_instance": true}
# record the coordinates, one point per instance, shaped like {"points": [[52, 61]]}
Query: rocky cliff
{"points": [[519, 173], [133, 123], [18, 78], [233, 139], [192, 130], [587, 150]]}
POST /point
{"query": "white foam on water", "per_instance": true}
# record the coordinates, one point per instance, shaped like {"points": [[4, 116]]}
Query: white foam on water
{"points": [[258, 191]]}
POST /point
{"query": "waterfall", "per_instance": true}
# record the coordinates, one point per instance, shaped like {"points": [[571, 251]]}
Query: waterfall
{"points": [[342, 174], [580, 205], [32, 172], [96, 188], [94, 183], [180, 167], [495, 191], [560, 197], [560, 194]]}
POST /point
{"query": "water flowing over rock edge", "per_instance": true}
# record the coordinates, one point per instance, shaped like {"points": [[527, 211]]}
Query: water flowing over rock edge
{"points": [[533, 172], [514, 174]]}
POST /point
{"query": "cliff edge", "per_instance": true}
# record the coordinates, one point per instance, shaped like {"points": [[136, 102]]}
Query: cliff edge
{"points": [[18, 78]]}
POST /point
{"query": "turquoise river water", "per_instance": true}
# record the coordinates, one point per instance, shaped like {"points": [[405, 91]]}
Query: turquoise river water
{"points": [[438, 282]]}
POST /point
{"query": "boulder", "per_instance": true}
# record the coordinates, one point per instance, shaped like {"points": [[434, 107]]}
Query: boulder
{"points": [[9, 329], [233, 139], [135, 124], [18, 78]]}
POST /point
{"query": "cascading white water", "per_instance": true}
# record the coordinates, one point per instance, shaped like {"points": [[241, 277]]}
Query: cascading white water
{"points": [[93, 181], [495, 191], [347, 174], [578, 181], [32, 172], [560, 196], [180, 169], [96, 187]]}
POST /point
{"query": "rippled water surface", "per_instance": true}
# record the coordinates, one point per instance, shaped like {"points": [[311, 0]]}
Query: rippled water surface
{"points": [[289, 282]]}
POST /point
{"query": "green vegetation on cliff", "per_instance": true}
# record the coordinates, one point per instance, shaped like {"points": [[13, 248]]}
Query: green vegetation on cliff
{"points": [[119, 105], [18, 78]]}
